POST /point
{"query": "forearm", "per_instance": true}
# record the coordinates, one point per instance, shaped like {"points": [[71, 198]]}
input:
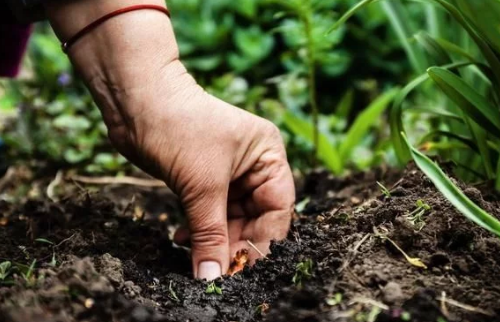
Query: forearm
{"points": [[127, 61], [122, 48]]}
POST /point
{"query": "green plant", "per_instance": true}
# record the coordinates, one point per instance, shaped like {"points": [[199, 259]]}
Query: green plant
{"points": [[28, 275], [335, 150], [303, 271], [406, 316], [416, 217], [212, 288], [456, 197], [173, 295], [467, 123], [5, 268], [334, 300], [386, 192]]}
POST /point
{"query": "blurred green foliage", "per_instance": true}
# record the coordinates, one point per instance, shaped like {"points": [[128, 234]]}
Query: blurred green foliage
{"points": [[271, 57]]}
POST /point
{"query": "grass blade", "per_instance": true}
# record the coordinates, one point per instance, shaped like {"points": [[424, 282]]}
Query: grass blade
{"points": [[452, 193], [351, 12], [468, 141], [489, 55], [327, 153], [467, 99], [433, 48], [400, 20], [396, 113], [485, 16], [364, 121]]}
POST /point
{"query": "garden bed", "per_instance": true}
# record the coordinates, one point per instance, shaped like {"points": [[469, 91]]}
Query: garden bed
{"points": [[110, 267]]}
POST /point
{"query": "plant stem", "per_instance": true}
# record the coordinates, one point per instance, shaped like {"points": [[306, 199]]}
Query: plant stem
{"points": [[311, 66]]}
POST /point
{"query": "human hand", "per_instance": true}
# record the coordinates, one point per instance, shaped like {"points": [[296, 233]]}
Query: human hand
{"points": [[228, 166]]}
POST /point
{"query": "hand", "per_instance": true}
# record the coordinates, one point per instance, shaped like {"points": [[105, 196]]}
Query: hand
{"points": [[228, 166]]}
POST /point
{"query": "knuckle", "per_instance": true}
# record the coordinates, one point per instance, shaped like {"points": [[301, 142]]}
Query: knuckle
{"points": [[208, 234]]}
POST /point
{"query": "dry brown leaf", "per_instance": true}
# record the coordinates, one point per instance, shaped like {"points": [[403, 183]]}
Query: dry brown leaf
{"points": [[239, 262]]}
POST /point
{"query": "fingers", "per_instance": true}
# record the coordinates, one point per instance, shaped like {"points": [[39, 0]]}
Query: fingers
{"points": [[208, 233]]}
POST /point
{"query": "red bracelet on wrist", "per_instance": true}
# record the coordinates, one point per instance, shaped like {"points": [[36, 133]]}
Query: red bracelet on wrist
{"points": [[66, 45]]}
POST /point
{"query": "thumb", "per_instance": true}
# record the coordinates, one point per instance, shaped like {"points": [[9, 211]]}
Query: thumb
{"points": [[207, 217]]}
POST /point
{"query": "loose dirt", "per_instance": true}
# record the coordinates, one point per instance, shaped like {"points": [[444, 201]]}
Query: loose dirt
{"points": [[107, 262]]}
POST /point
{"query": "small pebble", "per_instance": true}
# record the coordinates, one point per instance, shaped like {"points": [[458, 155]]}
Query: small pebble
{"points": [[392, 293]]}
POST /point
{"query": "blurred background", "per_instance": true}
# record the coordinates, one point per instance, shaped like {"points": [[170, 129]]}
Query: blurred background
{"points": [[334, 93]]}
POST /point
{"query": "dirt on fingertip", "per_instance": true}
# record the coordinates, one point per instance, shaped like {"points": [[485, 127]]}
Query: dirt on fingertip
{"points": [[353, 254]]}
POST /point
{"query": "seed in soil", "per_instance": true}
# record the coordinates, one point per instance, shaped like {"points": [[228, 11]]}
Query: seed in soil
{"points": [[239, 262]]}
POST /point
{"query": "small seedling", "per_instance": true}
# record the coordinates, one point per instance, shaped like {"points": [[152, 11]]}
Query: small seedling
{"points": [[374, 313], [25, 252], [213, 288], [173, 295], [334, 300], [5, 270], [45, 241], [303, 272], [263, 308], [406, 316], [299, 207], [28, 276], [384, 190], [416, 217]]}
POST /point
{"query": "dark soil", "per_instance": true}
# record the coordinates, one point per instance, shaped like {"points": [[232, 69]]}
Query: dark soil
{"points": [[110, 267]]}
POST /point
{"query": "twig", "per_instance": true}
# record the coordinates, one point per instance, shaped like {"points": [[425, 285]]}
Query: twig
{"points": [[465, 307], [444, 309], [53, 184], [352, 253], [364, 300], [256, 249], [152, 183], [65, 240]]}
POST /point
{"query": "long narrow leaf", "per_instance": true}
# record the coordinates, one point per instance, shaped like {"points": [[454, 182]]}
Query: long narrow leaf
{"points": [[485, 16], [349, 14], [401, 23], [489, 55], [364, 121], [433, 48], [471, 102], [452, 193], [327, 153], [396, 113], [461, 138]]}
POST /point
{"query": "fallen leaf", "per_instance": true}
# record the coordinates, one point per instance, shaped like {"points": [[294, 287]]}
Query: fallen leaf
{"points": [[416, 262], [239, 262]]}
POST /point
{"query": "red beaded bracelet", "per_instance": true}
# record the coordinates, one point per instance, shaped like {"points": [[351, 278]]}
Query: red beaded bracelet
{"points": [[66, 45]]}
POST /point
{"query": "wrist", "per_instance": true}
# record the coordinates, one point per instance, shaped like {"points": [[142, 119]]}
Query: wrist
{"points": [[124, 48]]}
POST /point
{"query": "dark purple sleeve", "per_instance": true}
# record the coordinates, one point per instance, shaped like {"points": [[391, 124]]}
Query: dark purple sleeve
{"points": [[13, 40]]}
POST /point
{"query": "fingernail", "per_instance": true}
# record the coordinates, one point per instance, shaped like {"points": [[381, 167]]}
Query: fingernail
{"points": [[209, 270]]}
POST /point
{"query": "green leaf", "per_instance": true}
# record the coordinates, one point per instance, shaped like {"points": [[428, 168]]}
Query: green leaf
{"points": [[401, 22], [43, 240], [396, 113], [326, 150], [364, 121], [488, 53], [344, 107], [485, 16], [467, 99], [349, 14], [452, 193], [461, 138], [72, 122], [433, 48]]}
